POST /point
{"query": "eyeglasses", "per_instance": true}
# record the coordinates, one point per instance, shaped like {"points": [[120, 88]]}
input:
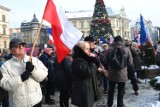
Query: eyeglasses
{"points": [[19, 46]]}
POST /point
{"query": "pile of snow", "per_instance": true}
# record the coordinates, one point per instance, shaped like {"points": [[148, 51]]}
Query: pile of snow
{"points": [[151, 67], [154, 104]]}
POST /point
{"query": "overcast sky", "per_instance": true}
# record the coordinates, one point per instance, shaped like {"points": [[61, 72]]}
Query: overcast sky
{"points": [[22, 10]]}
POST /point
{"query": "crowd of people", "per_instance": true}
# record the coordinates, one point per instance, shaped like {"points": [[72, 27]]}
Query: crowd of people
{"points": [[90, 65]]}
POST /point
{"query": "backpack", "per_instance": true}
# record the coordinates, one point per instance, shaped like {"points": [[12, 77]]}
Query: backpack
{"points": [[118, 59]]}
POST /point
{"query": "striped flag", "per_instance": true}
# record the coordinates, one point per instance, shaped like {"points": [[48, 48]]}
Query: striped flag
{"points": [[50, 41], [65, 35], [142, 31]]}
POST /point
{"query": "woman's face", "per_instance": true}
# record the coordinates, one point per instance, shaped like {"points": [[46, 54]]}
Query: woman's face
{"points": [[87, 49], [105, 48]]}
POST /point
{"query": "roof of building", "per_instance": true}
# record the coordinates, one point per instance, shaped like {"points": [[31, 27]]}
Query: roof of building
{"points": [[89, 13], [34, 19], [4, 8]]}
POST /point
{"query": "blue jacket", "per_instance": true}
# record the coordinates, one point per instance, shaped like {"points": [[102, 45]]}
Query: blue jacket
{"points": [[49, 64]]}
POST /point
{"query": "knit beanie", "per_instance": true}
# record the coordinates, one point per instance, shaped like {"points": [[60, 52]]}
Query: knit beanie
{"points": [[118, 40]]}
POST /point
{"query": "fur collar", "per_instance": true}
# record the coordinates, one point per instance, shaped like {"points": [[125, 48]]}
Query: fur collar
{"points": [[78, 52]]}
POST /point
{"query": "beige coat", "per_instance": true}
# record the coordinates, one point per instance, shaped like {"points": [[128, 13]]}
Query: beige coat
{"points": [[118, 75]]}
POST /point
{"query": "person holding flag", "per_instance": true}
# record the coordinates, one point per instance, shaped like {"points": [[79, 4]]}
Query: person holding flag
{"points": [[21, 77]]}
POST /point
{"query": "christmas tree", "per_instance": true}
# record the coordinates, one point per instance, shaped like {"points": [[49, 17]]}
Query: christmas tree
{"points": [[100, 24]]}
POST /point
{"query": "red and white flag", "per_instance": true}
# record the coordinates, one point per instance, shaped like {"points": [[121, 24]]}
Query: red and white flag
{"points": [[65, 35]]}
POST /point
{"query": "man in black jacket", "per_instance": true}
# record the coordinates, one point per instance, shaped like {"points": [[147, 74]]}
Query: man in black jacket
{"points": [[50, 82]]}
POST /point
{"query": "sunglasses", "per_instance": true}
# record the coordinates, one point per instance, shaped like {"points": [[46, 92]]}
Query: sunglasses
{"points": [[19, 46]]}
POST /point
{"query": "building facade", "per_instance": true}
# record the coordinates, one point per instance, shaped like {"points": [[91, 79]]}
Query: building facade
{"points": [[119, 21], [4, 27], [15, 33], [29, 31], [151, 30]]}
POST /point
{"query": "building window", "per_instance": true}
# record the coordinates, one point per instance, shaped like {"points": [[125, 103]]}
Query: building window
{"points": [[4, 30], [81, 24], [5, 44], [118, 32], [112, 23], [3, 18], [117, 23], [89, 24], [74, 23]]}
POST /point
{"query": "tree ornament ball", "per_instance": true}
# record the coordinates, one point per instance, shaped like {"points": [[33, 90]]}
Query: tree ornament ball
{"points": [[103, 29], [96, 25]]}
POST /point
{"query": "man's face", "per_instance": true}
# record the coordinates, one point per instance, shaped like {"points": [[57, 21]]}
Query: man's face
{"points": [[92, 45], [18, 51]]}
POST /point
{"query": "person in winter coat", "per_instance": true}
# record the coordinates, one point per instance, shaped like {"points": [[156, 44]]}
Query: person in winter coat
{"points": [[136, 53], [131, 73], [94, 52], [4, 100], [116, 76], [104, 75], [64, 80], [21, 78], [50, 81], [84, 68]]}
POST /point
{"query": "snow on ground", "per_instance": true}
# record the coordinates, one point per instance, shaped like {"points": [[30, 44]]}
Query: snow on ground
{"points": [[147, 97]]}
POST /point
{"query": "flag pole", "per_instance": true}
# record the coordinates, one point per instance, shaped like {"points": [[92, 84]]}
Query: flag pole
{"points": [[35, 40]]}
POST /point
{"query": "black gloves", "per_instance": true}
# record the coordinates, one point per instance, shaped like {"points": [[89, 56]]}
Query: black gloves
{"points": [[1, 75], [29, 66], [29, 69], [25, 75], [94, 60]]}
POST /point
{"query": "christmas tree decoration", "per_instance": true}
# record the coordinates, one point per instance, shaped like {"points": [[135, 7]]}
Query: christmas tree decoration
{"points": [[100, 24], [150, 56]]}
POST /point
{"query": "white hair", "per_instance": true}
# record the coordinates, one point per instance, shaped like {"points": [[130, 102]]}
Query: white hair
{"points": [[134, 44], [83, 44]]}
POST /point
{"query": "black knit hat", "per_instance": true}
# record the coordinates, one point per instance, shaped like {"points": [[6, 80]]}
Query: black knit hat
{"points": [[118, 40], [89, 39]]}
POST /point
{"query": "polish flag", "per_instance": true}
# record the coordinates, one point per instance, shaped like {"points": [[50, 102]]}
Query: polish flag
{"points": [[50, 41], [65, 35]]}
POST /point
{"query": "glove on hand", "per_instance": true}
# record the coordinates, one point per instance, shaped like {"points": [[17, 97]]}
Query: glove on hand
{"points": [[94, 60], [29, 66], [25, 75], [1, 75]]}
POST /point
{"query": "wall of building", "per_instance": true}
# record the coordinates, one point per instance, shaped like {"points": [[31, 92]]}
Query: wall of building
{"points": [[119, 22], [4, 27]]}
